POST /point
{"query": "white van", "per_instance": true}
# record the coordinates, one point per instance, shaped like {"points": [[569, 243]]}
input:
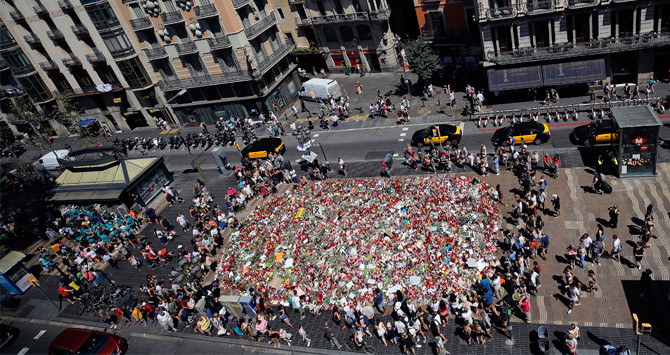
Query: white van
{"points": [[321, 88]]}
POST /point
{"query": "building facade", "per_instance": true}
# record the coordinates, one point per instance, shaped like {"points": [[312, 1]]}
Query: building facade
{"points": [[129, 63], [334, 34], [562, 42]]}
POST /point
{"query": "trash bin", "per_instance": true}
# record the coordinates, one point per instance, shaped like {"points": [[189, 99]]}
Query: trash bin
{"points": [[347, 70]]}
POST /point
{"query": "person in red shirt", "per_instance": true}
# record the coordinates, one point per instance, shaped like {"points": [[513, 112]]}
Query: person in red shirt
{"points": [[67, 293]]}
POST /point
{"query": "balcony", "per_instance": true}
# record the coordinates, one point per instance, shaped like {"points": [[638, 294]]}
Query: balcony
{"points": [[140, 24], [72, 61], [539, 6], [48, 65], [170, 18], [23, 70], [65, 5], [207, 80], [303, 21], [55, 35], [295, 2], [106, 23], [88, 90], [239, 3], [17, 16], [219, 42], [572, 50], [32, 40], [186, 48], [501, 12], [8, 43], [156, 53], [40, 10], [79, 30], [383, 14], [264, 64], [578, 4], [122, 53], [205, 11], [96, 57], [260, 26]]}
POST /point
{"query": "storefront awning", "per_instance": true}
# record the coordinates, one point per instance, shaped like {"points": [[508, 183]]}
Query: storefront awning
{"points": [[515, 78], [10, 260], [86, 196], [574, 72]]}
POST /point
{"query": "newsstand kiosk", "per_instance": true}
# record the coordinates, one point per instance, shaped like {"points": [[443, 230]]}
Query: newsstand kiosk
{"points": [[638, 140]]}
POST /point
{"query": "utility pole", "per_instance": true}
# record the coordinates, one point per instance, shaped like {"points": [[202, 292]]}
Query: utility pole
{"points": [[33, 280]]}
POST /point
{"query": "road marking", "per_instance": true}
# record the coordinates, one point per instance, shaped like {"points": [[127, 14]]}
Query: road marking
{"points": [[23, 351], [664, 117], [39, 335], [462, 125], [395, 155], [403, 134], [315, 135], [405, 128], [401, 140]]}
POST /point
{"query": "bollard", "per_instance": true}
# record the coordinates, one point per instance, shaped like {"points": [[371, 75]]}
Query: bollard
{"points": [[438, 102]]}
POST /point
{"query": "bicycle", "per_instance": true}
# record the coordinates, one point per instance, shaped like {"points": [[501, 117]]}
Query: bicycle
{"points": [[89, 300], [350, 344]]}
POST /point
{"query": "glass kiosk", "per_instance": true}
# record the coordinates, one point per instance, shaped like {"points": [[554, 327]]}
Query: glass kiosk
{"points": [[638, 140]]}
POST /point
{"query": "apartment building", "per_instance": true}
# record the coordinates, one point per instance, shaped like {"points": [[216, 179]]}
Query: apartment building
{"points": [[449, 25], [128, 63], [531, 43], [334, 34]]}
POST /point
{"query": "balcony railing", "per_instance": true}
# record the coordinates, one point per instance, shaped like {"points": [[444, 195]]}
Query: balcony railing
{"points": [[23, 70], [48, 65], [239, 3], [302, 21], [204, 11], [143, 23], [40, 10], [72, 61], [79, 30], [32, 39], [264, 64], [570, 50], [8, 43], [537, 6], [186, 48], [106, 23], [156, 53], [501, 12], [122, 53], [208, 80], [220, 42], [354, 16], [95, 57], [296, 2], [55, 35], [260, 26], [574, 4], [65, 5], [87, 90], [17, 16], [170, 18]]}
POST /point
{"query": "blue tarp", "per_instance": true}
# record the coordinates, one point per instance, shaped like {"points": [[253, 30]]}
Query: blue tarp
{"points": [[574, 72], [515, 78], [86, 122]]}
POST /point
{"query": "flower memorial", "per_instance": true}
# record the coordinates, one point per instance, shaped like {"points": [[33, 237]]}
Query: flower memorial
{"points": [[339, 240]]}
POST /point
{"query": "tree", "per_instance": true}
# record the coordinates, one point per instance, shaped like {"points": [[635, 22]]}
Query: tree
{"points": [[422, 60]]}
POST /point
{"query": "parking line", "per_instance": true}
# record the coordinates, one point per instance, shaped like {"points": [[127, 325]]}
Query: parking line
{"points": [[403, 134], [39, 335], [23, 351]]}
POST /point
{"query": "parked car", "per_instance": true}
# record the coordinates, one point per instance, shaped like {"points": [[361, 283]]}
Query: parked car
{"points": [[85, 341]]}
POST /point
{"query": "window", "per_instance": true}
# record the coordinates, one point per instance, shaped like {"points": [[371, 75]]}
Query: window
{"points": [[330, 34], [16, 59], [194, 65], [226, 60], [347, 33], [106, 74], [5, 36], [364, 32], [338, 7], [102, 16], [322, 9], [137, 11], [117, 43], [133, 72], [35, 88], [281, 13], [82, 78], [164, 67], [169, 6]]}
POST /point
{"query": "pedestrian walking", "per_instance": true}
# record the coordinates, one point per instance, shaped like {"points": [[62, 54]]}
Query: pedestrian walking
{"points": [[575, 297], [385, 170], [303, 334], [571, 344], [638, 254], [556, 201], [616, 248], [343, 168], [330, 336]]}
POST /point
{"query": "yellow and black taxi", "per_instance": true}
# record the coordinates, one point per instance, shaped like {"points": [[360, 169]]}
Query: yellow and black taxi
{"points": [[604, 131], [441, 133], [262, 147], [523, 132]]}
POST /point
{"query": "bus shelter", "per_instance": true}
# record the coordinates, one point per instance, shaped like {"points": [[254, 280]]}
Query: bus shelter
{"points": [[638, 140]]}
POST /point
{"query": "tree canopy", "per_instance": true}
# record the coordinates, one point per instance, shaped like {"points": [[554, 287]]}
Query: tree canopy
{"points": [[422, 60]]}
